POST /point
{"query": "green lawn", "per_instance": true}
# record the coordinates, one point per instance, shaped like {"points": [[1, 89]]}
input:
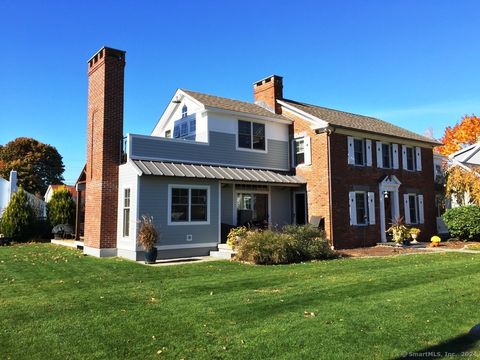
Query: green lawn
{"points": [[56, 303]]}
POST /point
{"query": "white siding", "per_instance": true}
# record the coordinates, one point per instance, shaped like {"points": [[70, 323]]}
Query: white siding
{"points": [[127, 178]]}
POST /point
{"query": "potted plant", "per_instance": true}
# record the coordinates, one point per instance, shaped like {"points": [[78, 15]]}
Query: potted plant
{"points": [[435, 241], [414, 232], [147, 238], [399, 231]]}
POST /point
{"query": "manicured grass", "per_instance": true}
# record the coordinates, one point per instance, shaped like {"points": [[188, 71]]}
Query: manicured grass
{"points": [[56, 303]]}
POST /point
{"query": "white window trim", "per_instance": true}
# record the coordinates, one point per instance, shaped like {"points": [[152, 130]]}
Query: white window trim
{"points": [[404, 158], [367, 151], [369, 207], [391, 155], [189, 187], [419, 209], [237, 147], [123, 212], [307, 151]]}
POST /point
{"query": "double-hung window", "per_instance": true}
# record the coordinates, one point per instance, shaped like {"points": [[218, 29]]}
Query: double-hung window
{"points": [[386, 156], [126, 212], [359, 151], [412, 158], [299, 151], [413, 207], [189, 204], [362, 208], [251, 135]]}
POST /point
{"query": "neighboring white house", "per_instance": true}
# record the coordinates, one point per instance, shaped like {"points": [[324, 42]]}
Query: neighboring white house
{"points": [[9, 187], [469, 160]]}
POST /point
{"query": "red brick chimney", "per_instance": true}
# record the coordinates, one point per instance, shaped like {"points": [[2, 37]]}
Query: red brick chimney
{"points": [[267, 91], [104, 138]]}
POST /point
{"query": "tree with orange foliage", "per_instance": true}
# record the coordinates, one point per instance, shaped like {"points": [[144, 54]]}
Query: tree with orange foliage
{"points": [[464, 185], [464, 133]]}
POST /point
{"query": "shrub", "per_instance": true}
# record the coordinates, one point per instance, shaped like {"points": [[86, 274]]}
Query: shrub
{"points": [[61, 208], [463, 222], [17, 219], [291, 244], [148, 234], [235, 235]]}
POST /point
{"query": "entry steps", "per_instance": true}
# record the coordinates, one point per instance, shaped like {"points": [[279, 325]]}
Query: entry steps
{"points": [[224, 252]]}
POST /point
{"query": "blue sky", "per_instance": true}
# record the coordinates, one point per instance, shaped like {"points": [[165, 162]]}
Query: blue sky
{"points": [[413, 63]]}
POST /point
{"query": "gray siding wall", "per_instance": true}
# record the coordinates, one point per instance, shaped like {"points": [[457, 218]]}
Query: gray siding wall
{"points": [[221, 149], [281, 203], [153, 200], [227, 204]]}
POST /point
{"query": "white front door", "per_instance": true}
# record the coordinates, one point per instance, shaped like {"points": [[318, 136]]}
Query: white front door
{"points": [[389, 203]]}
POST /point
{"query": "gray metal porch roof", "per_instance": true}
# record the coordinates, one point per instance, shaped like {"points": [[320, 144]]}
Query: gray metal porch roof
{"points": [[161, 168]]}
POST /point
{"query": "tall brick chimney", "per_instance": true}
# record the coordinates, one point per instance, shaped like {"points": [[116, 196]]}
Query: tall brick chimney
{"points": [[104, 138], [267, 91]]}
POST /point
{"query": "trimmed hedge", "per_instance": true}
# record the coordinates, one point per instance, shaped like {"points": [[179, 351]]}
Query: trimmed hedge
{"points": [[463, 222], [61, 208], [292, 244]]}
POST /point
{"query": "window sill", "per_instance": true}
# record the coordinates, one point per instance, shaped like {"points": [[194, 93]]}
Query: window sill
{"points": [[252, 150], [175, 223]]}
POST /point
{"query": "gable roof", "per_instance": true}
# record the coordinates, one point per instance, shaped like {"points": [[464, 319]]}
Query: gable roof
{"points": [[357, 122], [233, 105], [468, 156]]}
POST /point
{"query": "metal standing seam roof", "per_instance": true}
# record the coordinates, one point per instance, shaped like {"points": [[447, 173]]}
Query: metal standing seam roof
{"points": [[161, 168]]}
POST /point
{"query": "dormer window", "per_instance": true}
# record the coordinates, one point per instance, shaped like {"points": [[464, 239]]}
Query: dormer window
{"points": [[184, 111]]}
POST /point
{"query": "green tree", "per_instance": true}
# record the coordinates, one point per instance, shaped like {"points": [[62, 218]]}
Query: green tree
{"points": [[17, 219], [61, 208], [38, 165]]}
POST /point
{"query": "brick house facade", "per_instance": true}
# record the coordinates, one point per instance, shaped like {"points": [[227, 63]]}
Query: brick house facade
{"points": [[213, 163]]}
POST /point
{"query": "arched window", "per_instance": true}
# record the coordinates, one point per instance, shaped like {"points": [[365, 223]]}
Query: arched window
{"points": [[184, 111]]}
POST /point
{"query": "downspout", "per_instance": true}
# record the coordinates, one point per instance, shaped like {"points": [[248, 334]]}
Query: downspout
{"points": [[330, 207], [329, 131]]}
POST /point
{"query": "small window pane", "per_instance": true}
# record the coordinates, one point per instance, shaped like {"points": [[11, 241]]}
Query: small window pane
{"points": [[193, 126], [176, 131], [179, 205], [359, 150], [184, 111], [258, 136], [168, 133], [361, 208], [126, 198], [244, 134], [413, 208], [299, 151], [386, 152], [410, 159], [184, 129], [126, 222]]}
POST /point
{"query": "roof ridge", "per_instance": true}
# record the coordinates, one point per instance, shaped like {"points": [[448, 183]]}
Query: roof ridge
{"points": [[332, 109], [220, 97]]}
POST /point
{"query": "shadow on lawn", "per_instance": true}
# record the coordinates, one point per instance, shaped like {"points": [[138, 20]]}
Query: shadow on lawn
{"points": [[458, 346]]}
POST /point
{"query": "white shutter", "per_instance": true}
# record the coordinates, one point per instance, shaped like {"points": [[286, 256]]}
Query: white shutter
{"points": [[368, 144], [351, 151], [307, 150], [404, 157], [421, 214], [406, 208], [353, 208], [418, 154], [371, 208], [379, 155], [395, 155]]}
